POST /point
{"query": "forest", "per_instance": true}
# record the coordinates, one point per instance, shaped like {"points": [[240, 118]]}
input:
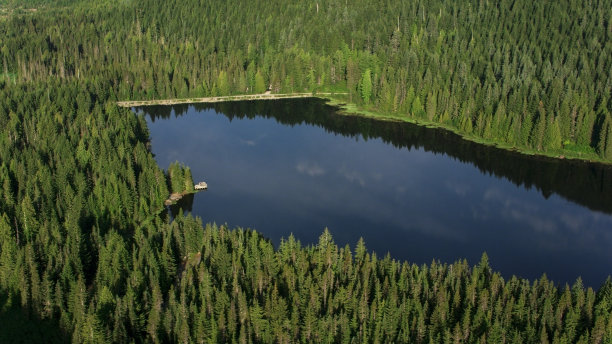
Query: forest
{"points": [[86, 254], [530, 75]]}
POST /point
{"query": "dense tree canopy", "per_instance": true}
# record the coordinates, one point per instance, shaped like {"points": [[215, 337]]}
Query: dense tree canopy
{"points": [[83, 246], [528, 74]]}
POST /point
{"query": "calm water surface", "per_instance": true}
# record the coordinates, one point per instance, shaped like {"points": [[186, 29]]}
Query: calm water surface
{"points": [[295, 166]]}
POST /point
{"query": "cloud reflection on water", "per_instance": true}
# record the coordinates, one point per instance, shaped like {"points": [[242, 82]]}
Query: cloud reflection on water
{"points": [[410, 202]]}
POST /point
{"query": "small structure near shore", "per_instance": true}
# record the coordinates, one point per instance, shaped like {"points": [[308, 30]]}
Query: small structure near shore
{"points": [[176, 196]]}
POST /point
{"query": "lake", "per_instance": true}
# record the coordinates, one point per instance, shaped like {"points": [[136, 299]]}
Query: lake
{"points": [[295, 166]]}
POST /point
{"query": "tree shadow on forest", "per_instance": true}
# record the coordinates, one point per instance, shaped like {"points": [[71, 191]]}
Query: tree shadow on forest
{"points": [[21, 325]]}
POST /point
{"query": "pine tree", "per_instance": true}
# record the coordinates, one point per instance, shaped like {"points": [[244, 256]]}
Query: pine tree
{"points": [[188, 180], [223, 86], [537, 133], [608, 149], [409, 100], [260, 83], [365, 86], [28, 219], [585, 128], [605, 140], [417, 108], [525, 131], [8, 252], [552, 136], [431, 106]]}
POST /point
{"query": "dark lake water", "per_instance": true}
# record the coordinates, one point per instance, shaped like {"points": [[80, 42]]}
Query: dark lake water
{"points": [[296, 166]]}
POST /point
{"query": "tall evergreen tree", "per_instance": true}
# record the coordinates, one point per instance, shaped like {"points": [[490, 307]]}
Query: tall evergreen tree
{"points": [[365, 86]]}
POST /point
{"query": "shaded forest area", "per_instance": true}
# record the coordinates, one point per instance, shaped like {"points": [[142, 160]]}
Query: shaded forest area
{"points": [[83, 250]]}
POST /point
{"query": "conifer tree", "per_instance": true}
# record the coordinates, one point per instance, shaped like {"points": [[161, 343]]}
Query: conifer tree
{"points": [[605, 139], [365, 86], [260, 84], [223, 86], [431, 106], [552, 136]]}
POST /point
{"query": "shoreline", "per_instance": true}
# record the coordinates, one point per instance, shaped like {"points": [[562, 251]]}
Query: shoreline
{"points": [[351, 109], [258, 96], [346, 108], [174, 197]]}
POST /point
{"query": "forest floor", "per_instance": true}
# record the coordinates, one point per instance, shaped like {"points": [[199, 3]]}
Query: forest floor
{"points": [[259, 96]]}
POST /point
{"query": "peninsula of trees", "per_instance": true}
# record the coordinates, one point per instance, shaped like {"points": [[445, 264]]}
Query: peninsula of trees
{"points": [[85, 257]]}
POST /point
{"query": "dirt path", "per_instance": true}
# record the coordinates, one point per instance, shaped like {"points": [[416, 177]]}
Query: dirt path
{"points": [[132, 103]]}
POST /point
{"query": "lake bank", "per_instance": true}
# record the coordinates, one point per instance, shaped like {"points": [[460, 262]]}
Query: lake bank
{"points": [[351, 109], [417, 193], [259, 96], [177, 196]]}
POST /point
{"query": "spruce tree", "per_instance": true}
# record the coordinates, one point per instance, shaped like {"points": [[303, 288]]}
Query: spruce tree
{"points": [[365, 86], [552, 136], [223, 86], [260, 84], [607, 152]]}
